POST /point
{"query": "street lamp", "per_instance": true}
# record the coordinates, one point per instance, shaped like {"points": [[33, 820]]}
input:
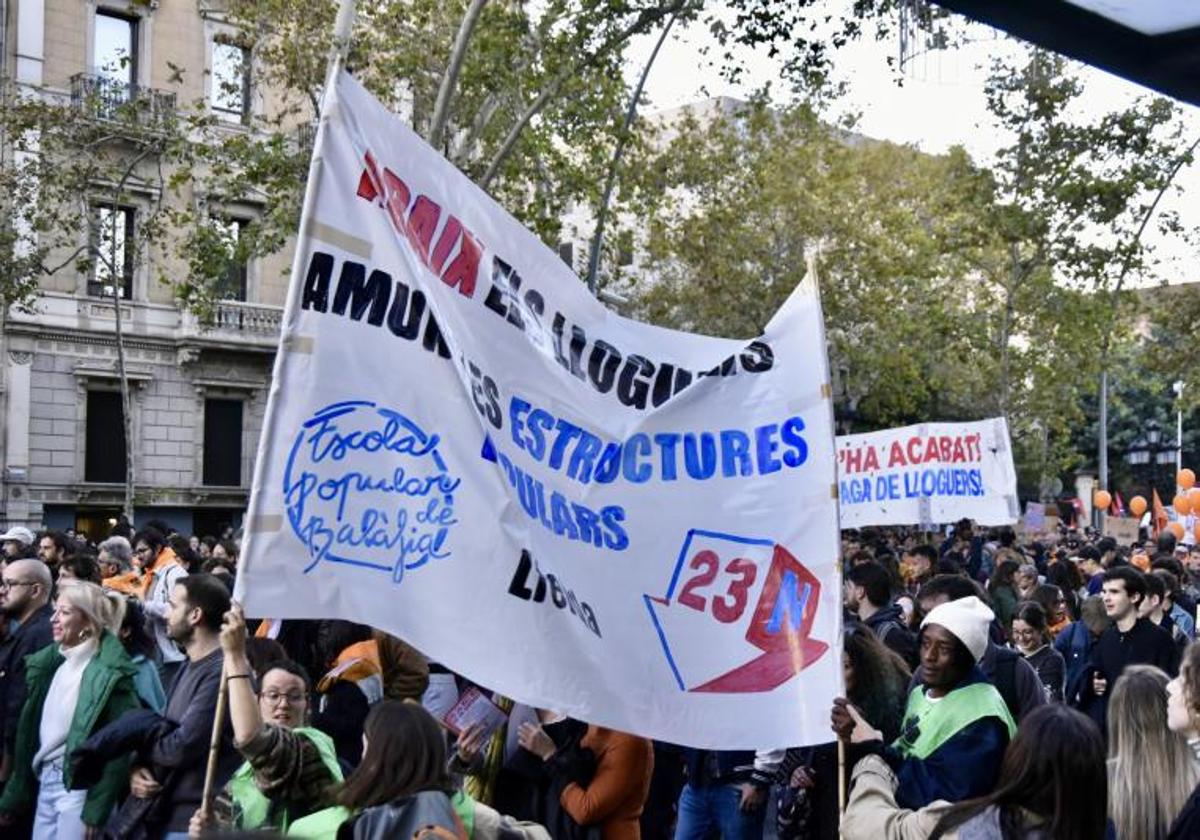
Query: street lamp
{"points": [[1148, 449]]}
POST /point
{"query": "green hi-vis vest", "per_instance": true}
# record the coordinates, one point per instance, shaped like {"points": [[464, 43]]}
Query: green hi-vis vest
{"points": [[464, 806], [320, 825], [928, 724], [255, 809], [323, 825]]}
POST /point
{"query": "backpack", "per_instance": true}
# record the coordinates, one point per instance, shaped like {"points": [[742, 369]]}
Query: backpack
{"points": [[908, 649], [1005, 678]]}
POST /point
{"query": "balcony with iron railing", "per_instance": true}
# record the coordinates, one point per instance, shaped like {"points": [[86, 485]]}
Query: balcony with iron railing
{"points": [[235, 322], [305, 136], [102, 97], [250, 318]]}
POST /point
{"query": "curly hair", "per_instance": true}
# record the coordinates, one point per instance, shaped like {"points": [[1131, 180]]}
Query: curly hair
{"points": [[1189, 670], [880, 680]]}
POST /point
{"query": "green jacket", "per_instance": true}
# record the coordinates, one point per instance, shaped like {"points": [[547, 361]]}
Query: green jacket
{"points": [[941, 721], [105, 693], [255, 809]]}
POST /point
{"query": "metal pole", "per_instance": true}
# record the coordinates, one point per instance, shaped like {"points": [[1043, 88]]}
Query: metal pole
{"points": [[337, 59]]}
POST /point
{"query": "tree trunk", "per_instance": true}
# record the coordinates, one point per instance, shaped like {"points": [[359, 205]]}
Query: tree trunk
{"points": [[1005, 334], [458, 54], [611, 180], [122, 374], [126, 408], [1102, 455], [644, 21]]}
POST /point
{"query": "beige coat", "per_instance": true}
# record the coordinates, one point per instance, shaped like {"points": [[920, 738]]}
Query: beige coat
{"points": [[872, 812]]}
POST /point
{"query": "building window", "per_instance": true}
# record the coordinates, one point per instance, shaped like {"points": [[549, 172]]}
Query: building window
{"points": [[112, 249], [114, 52], [230, 81], [104, 442], [222, 443], [233, 232]]}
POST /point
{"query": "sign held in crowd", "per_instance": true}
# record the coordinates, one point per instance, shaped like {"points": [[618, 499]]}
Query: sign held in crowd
{"points": [[465, 448], [928, 474], [1123, 530]]}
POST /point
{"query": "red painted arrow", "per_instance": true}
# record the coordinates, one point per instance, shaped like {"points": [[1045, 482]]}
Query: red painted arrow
{"points": [[780, 628]]}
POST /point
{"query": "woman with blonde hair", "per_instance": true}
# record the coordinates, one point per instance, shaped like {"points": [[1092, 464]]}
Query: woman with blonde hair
{"points": [[90, 678], [1151, 770]]}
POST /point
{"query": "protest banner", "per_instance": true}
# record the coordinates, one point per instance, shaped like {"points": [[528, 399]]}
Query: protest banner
{"points": [[631, 525], [1048, 527], [929, 474], [1124, 531], [1034, 521]]}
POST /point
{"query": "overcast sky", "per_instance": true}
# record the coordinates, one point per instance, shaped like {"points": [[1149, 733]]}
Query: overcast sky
{"points": [[940, 103]]}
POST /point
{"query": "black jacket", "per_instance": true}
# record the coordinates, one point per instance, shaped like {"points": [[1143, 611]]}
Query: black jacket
{"points": [[887, 624], [706, 768], [342, 716], [29, 638], [1187, 824], [1143, 644], [1050, 668], [531, 789], [132, 732]]}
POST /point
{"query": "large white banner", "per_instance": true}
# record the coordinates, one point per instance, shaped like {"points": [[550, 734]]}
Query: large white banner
{"points": [[928, 474], [630, 525]]}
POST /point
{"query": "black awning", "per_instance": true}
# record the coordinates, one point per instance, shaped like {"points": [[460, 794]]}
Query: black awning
{"points": [[1155, 43]]}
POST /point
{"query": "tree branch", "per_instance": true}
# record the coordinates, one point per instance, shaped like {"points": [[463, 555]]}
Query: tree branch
{"points": [[458, 54], [611, 179], [643, 22]]}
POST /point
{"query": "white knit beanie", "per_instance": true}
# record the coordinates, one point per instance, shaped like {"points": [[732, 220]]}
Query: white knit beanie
{"points": [[968, 619]]}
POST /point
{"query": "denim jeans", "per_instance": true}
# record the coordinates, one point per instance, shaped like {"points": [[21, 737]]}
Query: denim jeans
{"points": [[703, 809], [59, 811]]}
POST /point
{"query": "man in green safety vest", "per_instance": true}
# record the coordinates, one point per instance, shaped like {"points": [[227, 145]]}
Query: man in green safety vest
{"points": [[956, 725]]}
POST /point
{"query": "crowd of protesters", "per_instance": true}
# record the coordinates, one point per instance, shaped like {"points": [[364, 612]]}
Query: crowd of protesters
{"points": [[995, 688]]}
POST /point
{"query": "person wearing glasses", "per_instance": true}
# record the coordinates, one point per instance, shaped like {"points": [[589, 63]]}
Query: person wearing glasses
{"points": [[291, 770], [1031, 637], [25, 602], [116, 566]]}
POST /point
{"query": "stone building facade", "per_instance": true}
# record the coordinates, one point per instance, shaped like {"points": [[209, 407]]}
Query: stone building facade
{"points": [[198, 391]]}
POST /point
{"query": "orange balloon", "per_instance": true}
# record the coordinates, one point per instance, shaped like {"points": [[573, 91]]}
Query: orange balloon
{"points": [[1182, 504], [1102, 499], [1196, 532], [1185, 478], [1137, 505], [1176, 528]]}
